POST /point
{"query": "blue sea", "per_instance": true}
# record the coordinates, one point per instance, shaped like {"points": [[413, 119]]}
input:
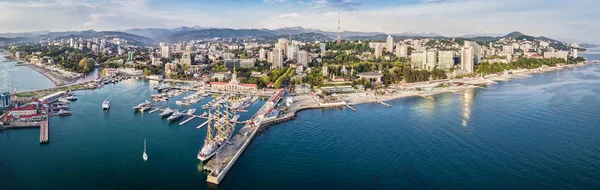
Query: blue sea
{"points": [[538, 132]]}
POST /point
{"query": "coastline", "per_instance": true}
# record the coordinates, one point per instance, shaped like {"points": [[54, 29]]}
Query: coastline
{"points": [[371, 98], [56, 78]]}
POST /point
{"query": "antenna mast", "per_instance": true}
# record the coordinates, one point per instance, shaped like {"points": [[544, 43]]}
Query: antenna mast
{"points": [[339, 38]]}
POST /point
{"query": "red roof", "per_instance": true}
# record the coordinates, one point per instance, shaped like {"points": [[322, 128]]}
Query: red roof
{"points": [[24, 116], [248, 85], [26, 108]]}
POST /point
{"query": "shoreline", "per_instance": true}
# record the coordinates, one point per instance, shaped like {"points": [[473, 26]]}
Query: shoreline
{"points": [[57, 79], [383, 98]]}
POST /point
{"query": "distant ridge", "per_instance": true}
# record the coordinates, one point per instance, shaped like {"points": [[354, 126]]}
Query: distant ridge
{"points": [[146, 36]]}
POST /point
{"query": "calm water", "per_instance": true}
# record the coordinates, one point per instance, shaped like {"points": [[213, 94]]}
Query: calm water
{"points": [[20, 78], [536, 132]]}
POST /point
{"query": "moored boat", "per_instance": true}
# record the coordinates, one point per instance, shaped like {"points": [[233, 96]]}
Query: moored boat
{"points": [[176, 116]]}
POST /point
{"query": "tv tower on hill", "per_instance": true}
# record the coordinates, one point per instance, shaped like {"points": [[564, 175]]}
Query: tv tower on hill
{"points": [[339, 38]]}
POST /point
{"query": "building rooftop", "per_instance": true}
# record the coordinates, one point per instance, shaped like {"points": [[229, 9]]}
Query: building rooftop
{"points": [[371, 74]]}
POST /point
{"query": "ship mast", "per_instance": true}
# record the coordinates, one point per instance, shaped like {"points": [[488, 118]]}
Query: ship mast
{"points": [[209, 135]]}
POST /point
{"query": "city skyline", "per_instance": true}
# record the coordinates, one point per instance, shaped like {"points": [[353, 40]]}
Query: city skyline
{"points": [[561, 20]]}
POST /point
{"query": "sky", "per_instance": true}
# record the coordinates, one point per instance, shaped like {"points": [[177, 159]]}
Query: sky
{"points": [[567, 20]]}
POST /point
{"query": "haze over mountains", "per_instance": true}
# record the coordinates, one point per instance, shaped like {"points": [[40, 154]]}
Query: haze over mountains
{"points": [[149, 36]]}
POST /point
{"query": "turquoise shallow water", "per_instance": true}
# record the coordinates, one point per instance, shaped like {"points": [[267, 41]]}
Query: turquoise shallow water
{"points": [[536, 132]]}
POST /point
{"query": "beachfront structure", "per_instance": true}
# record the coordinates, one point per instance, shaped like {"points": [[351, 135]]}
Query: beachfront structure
{"points": [[431, 59], [476, 51], [445, 60], [418, 59], [110, 72], [130, 71], [233, 85], [374, 77], [466, 59], [338, 89]]}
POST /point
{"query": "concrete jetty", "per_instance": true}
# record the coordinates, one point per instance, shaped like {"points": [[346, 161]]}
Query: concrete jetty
{"points": [[44, 126], [155, 110], [187, 120], [202, 125], [44, 131], [385, 104], [350, 107]]}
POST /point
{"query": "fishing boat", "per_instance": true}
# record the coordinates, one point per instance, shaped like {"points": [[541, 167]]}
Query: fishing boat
{"points": [[176, 116], [145, 156], [191, 111], [105, 105], [167, 112], [64, 113]]}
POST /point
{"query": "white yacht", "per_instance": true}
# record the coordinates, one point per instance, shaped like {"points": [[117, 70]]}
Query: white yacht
{"points": [[106, 105]]}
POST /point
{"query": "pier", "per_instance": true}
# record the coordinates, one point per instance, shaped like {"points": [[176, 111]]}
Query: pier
{"points": [[350, 107], [155, 110], [44, 130], [226, 158], [187, 120], [385, 104], [44, 126], [202, 125]]}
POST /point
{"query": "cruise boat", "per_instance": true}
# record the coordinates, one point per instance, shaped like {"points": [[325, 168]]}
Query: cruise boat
{"points": [[213, 143], [106, 105], [63, 113], [191, 111], [167, 112], [176, 116]]}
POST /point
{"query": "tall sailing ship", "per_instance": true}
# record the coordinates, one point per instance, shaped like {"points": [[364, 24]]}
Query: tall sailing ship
{"points": [[217, 135]]}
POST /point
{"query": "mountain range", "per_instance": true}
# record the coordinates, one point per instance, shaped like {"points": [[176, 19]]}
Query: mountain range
{"points": [[148, 36]]}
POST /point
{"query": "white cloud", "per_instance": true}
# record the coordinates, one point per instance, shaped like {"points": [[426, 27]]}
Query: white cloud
{"points": [[575, 20], [561, 19]]}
